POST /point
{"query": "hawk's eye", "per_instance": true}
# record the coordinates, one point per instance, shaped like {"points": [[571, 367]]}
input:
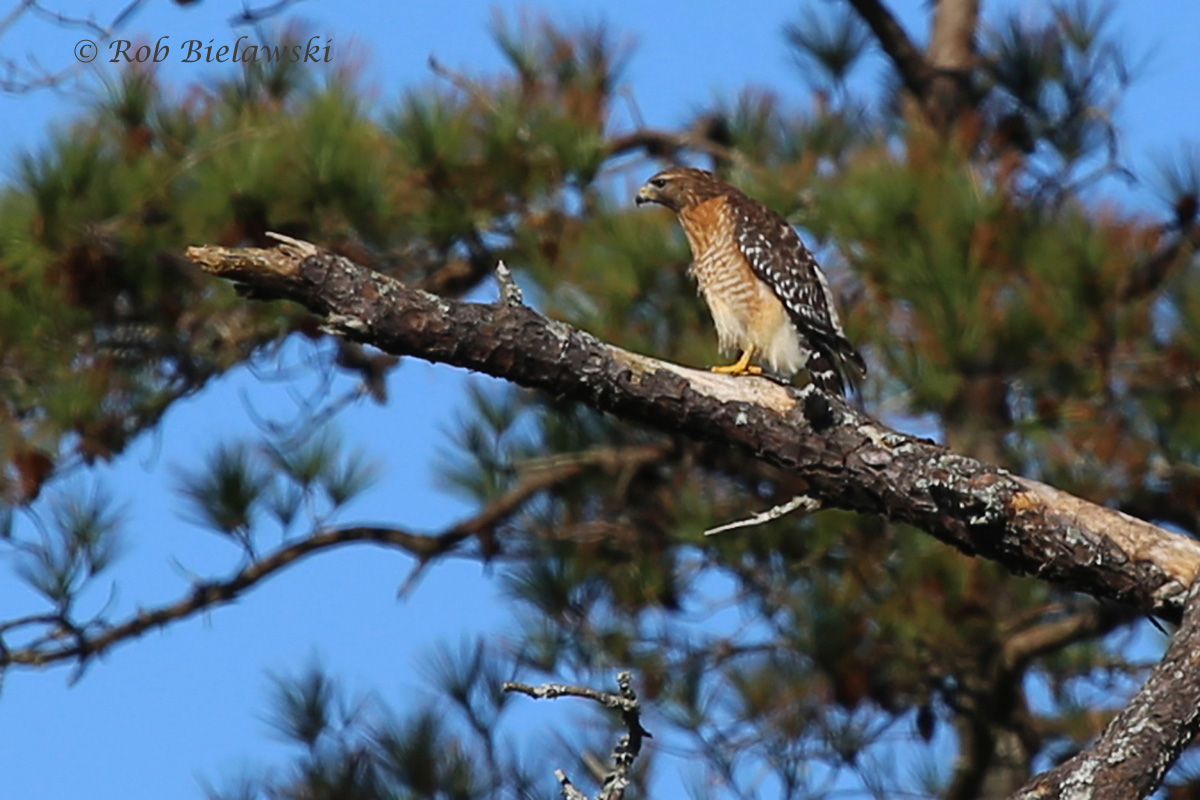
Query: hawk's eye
{"points": [[658, 183]]}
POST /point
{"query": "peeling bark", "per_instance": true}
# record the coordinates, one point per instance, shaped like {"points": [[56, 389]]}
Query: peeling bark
{"points": [[849, 460]]}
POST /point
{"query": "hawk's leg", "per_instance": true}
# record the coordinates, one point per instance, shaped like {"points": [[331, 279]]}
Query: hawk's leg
{"points": [[743, 365]]}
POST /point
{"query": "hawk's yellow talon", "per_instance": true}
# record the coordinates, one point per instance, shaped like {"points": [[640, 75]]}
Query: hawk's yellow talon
{"points": [[742, 367]]}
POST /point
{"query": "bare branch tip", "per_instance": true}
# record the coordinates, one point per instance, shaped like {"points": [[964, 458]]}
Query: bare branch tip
{"points": [[296, 247], [568, 789], [801, 502]]}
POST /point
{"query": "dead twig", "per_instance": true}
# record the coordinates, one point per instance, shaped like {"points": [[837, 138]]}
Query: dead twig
{"points": [[616, 780]]}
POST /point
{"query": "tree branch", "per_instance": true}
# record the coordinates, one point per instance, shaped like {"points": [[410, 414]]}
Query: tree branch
{"points": [[848, 460], [212, 593], [1144, 739], [616, 780], [553, 472], [940, 79], [253, 16], [1049, 637], [1148, 276], [90, 639], [910, 63], [666, 144], [18, 76]]}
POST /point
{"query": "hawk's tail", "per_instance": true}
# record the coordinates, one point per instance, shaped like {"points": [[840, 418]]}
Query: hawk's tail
{"points": [[835, 365]]}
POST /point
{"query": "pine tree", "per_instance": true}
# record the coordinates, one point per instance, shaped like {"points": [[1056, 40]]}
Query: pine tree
{"points": [[1004, 303]]}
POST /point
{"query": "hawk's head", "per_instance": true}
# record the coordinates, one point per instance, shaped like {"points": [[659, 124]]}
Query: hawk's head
{"points": [[681, 187]]}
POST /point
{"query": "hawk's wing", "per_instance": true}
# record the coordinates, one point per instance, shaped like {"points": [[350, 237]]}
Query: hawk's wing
{"points": [[779, 258]]}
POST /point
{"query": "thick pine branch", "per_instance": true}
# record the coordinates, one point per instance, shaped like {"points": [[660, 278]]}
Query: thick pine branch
{"points": [[849, 460], [1133, 754], [909, 61], [940, 78]]}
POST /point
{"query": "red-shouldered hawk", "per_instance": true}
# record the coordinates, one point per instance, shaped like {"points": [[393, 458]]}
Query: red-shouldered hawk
{"points": [[768, 298]]}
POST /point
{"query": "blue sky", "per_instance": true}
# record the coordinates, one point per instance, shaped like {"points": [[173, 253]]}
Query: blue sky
{"points": [[155, 715]]}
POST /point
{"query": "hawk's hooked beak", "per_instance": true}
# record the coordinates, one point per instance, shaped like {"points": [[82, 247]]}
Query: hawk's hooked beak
{"points": [[646, 194]]}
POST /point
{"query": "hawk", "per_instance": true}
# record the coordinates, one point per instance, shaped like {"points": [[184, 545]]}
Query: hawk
{"points": [[769, 299]]}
